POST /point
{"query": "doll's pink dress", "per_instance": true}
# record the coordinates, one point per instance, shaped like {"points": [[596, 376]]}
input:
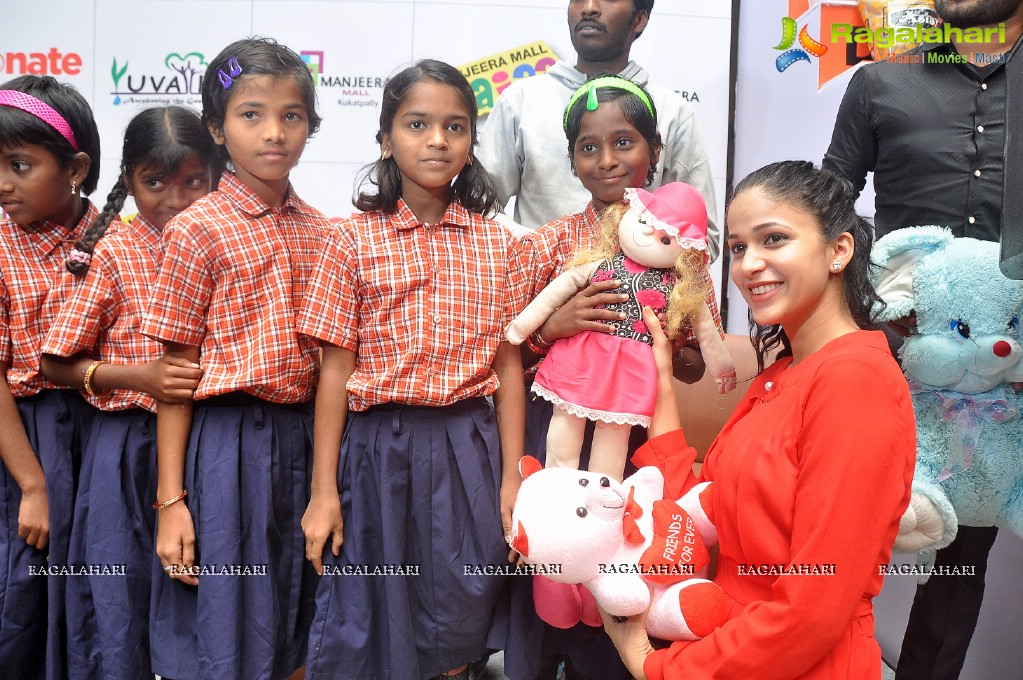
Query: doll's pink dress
{"points": [[610, 377]]}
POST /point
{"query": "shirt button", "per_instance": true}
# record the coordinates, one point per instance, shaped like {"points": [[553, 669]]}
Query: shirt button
{"points": [[971, 219], [768, 386], [436, 318], [983, 86], [980, 128], [976, 173]]}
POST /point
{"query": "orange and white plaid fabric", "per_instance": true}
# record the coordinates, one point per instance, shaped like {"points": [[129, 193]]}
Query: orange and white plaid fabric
{"points": [[423, 305], [233, 273], [101, 316], [546, 252], [31, 291]]}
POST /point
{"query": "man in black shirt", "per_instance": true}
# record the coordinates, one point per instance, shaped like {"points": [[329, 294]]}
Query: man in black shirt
{"points": [[932, 130]]}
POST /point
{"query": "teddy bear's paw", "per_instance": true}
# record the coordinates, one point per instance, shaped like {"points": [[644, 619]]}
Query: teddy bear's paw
{"points": [[688, 611], [921, 525]]}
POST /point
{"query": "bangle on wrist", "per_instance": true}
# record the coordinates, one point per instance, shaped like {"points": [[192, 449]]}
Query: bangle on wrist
{"points": [[157, 505], [87, 377], [537, 344]]}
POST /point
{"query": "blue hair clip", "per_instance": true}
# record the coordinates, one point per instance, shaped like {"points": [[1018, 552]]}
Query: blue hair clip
{"points": [[235, 70]]}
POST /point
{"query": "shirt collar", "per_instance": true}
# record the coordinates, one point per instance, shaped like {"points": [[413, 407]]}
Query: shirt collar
{"points": [[250, 203], [47, 236], [146, 232], [455, 216]]}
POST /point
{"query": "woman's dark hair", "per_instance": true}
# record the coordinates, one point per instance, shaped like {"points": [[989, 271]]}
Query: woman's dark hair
{"points": [[159, 138], [252, 57], [473, 187], [830, 200], [20, 127], [634, 109]]}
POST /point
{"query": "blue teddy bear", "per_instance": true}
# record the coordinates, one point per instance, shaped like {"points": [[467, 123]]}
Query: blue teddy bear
{"points": [[959, 361]]}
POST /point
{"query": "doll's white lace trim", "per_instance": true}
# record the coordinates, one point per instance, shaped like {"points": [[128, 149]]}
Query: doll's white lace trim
{"points": [[589, 413]]}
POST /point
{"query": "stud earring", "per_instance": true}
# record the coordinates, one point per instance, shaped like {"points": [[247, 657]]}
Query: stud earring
{"points": [[468, 160], [836, 266], [74, 188]]}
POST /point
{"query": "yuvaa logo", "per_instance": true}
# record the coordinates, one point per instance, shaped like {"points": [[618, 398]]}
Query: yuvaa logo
{"points": [[183, 85], [808, 46]]}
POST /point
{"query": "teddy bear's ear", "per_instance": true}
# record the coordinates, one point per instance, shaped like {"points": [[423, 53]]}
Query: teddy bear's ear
{"points": [[895, 257], [528, 465]]}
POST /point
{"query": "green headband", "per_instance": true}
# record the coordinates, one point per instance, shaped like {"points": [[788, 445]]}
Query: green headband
{"points": [[590, 91]]}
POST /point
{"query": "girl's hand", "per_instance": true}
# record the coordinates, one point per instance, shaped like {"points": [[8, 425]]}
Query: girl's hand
{"points": [[663, 354], [34, 518], [584, 312], [322, 519], [509, 492], [631, 640], [175, 542], [171, 379]]}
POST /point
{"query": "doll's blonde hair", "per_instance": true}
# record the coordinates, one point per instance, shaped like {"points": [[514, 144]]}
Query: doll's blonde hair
{"points": [[690, 291]]}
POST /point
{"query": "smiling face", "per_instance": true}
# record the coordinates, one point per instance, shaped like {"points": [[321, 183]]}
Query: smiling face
{"points": [[265, 131], [430, 139], [610, 154], [781, 264], [644, 243], [160, 195], [34, 186]]}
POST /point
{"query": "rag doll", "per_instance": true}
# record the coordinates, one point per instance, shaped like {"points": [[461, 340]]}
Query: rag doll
{"points": [[655, 243]]}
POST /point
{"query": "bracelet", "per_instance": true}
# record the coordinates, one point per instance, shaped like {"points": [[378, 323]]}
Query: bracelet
{"points": [[87, 380], [537, 344], [157, 505]]}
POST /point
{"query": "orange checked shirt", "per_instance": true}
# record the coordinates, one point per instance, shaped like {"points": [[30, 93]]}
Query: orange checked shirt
{"points": [[233, 272], [423, 305], [546, 253], [101, 316], [30, 260]]}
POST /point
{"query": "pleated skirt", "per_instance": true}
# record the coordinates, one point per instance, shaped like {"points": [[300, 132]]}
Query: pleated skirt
{"points": [[247, 473], [113, 532], [419, 490], [33, 626]]}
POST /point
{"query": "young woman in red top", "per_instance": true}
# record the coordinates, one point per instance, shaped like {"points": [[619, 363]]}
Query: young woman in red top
{"points": [[819, 453]]}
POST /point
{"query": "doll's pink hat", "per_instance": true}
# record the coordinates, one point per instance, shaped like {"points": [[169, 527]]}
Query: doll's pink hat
{"points": [[676, 208]]}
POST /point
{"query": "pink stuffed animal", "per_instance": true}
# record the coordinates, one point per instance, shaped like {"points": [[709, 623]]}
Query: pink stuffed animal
{"points": [[631, 548], [656, 244]]}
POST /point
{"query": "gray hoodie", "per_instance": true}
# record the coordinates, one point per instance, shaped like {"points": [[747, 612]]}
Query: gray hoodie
{"points": [[524, 148]]}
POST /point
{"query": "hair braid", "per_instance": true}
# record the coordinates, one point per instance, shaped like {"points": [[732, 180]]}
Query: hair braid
{"points": [[87, 244]]}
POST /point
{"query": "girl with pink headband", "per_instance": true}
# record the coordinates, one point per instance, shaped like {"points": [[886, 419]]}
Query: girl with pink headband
{"points": [[49, 158]]}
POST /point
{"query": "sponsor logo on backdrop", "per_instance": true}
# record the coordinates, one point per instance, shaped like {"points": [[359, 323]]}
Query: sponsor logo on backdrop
{"points": [[178, 82], [352, 89], [808, 46], [52, 62], [490, 76], [806, 37]]}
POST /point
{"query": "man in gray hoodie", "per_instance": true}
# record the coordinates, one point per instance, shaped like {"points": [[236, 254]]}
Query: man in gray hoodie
{"points": [[523, 145]]}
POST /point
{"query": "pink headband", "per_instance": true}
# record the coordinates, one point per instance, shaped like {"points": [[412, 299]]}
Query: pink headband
{"points": [[41, 110]]}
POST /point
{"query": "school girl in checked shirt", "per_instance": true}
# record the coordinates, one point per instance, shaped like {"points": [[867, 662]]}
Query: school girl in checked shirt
{"points": [[167, 163], [232, 594], [409, 300], [49, 154]]}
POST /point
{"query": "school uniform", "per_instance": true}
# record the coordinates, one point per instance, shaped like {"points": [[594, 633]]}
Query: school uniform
{"points": [[232, 274], [544, 254], [419, 474], [114, 523], [32, 622]]}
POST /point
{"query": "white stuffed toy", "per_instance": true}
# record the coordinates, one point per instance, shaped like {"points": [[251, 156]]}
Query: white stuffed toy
{"points": [[630, 547], [657, 247], [969, 467]]}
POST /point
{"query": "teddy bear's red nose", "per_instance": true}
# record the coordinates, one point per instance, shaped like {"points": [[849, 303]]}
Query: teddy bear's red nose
{"points": [[1002, 348]]}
